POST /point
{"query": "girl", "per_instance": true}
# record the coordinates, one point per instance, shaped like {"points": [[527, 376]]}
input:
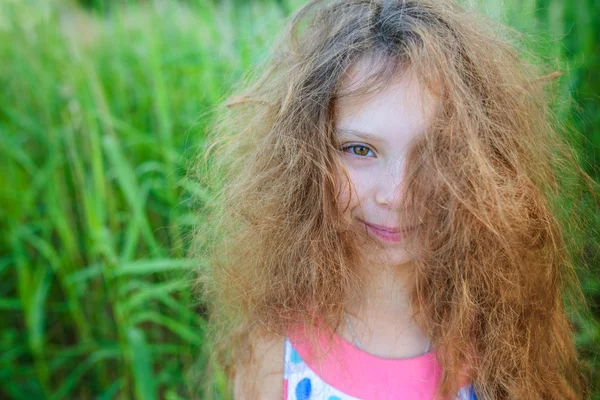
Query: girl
{"points": [[385, 226]]}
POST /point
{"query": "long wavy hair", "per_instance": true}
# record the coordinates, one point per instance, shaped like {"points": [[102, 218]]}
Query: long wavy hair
{"points": [[494, 264]]}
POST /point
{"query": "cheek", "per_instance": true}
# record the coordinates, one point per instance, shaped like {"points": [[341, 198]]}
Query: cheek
{"points": [[350, 191]]}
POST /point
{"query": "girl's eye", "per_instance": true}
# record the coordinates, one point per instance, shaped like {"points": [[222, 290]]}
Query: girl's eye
{"points": [[361, 150]]}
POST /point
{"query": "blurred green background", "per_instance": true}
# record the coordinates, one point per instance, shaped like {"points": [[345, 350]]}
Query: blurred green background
{"points": [[102, 105]]}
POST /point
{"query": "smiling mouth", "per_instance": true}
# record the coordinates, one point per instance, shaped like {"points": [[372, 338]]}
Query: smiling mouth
{"points": [[387, 229], [386, 235]]}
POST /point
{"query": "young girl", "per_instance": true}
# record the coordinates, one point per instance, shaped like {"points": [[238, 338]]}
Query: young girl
{"points": [[385, 225]]}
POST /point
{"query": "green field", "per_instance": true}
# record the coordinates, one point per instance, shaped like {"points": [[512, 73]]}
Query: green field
{"points": [[102, 107]]}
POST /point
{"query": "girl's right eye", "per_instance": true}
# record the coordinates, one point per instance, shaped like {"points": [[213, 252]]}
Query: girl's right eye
{"points": [[362, 151]]}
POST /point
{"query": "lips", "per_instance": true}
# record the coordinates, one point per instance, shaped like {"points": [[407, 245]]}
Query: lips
{"points": [[391, 236], [388, 229]]}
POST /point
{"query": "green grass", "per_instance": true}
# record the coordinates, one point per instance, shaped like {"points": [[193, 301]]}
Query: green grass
{"points": [[100, 113]]}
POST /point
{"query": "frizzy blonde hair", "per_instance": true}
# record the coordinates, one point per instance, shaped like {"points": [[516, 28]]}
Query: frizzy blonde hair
{"points": [[495, 267]]}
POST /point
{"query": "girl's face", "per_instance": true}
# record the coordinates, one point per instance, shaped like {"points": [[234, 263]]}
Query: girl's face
{"points": [[375, 132]]}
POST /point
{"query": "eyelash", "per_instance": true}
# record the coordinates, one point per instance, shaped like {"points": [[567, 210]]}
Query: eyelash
{"points": [[346, 147]]}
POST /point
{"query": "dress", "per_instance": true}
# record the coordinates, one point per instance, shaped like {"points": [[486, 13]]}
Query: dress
{"points": [[320, 375]]}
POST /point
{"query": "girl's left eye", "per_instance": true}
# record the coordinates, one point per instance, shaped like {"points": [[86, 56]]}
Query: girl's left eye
{"points": [[362, 151]]}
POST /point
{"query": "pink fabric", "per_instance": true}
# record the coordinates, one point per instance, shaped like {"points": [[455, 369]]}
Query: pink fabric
{"points": [[360, 374], [285, 389]]}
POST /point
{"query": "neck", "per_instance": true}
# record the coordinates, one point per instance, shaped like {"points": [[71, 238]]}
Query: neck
{"points": [[385, 295], [381, 316]]}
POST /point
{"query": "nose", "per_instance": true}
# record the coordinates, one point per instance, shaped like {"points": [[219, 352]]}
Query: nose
{"points": [[389, 185]]}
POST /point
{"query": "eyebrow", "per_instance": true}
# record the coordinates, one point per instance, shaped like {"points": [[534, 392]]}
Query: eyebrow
{"points": [[364, 135]]}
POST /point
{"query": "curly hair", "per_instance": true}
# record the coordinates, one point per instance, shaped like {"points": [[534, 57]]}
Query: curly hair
{"points": [[495, 271]]}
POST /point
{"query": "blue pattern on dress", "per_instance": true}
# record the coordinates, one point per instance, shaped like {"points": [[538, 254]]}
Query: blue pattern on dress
{"points": [[472, 393], [295, 357], [303, 389]]}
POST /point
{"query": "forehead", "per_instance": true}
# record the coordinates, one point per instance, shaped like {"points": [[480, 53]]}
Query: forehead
{"points": [[402, 107]]}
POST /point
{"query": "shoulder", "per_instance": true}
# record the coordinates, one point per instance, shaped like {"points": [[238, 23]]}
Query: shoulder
{"points": [[262, 377]]}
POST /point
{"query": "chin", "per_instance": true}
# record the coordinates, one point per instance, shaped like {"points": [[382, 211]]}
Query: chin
{"points": [[395, 256]]}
